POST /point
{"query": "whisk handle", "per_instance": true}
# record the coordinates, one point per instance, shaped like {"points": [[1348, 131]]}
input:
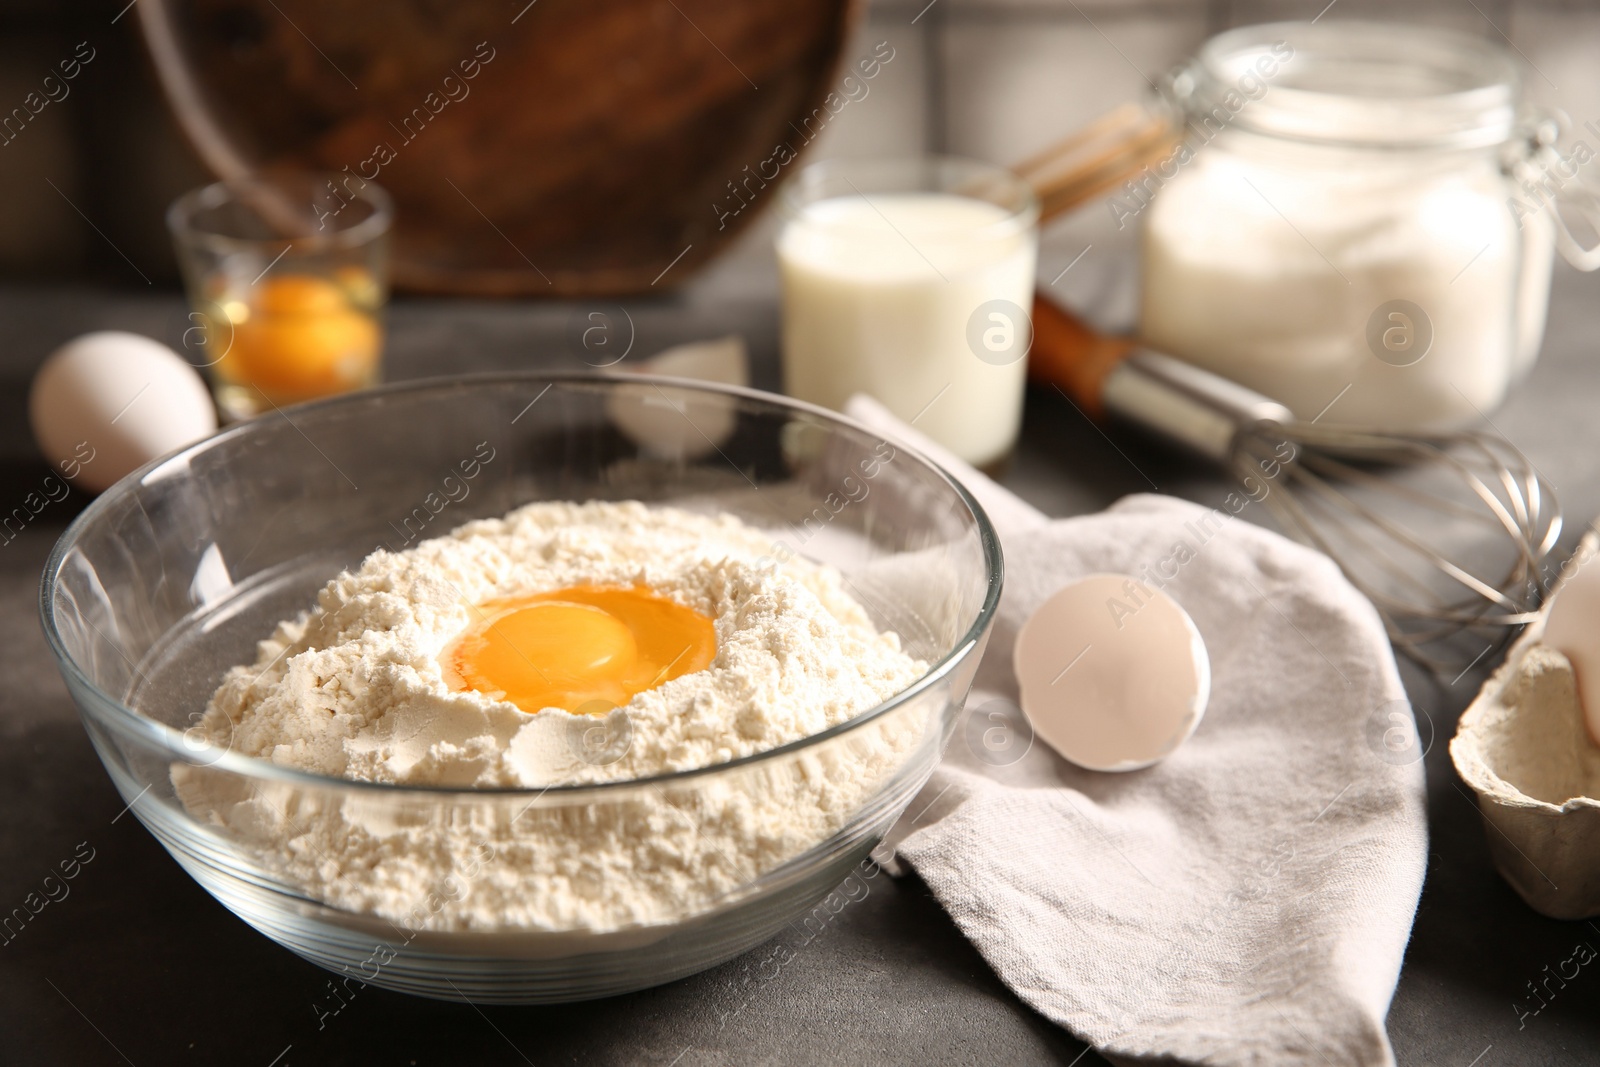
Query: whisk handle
{"points": [[1190, 406], [1069, 355]]}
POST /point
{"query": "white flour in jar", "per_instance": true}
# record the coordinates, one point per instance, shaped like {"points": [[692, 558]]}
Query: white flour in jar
{"points": [[355, 689], [1266, 268]]}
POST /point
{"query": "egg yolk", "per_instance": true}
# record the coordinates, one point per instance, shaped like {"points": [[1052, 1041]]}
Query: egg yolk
{"points": [[583, 649], [301, 336]]}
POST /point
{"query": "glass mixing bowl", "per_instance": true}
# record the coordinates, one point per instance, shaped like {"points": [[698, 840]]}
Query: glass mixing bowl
{"points": [[175, 573]]}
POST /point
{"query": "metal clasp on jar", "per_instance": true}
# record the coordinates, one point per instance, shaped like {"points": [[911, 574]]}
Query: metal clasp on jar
{"points": [[1549, 182]]}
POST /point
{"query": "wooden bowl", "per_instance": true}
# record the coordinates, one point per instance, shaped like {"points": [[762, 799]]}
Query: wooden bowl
{"points": [[564, 148]]}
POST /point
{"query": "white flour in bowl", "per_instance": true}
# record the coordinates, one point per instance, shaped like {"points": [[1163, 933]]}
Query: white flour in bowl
{"points": [[355, 689]]}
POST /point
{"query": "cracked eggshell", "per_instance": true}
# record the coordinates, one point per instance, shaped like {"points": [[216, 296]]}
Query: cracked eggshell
{"points": [[1524, 747], [674, 424]]}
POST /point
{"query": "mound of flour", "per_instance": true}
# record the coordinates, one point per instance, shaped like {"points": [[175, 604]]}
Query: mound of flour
{"points": [[354, 689]]}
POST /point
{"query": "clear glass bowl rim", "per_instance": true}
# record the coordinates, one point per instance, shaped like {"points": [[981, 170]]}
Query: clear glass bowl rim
{"points": [[161, 736], [181, 212]]}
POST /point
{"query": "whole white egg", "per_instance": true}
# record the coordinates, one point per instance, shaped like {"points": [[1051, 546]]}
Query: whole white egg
{"points": [[106, 403]]}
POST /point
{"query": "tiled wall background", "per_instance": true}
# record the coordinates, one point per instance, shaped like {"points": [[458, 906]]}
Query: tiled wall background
{"points": [[994, 79]]}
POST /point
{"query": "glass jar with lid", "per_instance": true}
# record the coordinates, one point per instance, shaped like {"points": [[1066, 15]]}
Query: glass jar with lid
{"points": [[1355, 223]]}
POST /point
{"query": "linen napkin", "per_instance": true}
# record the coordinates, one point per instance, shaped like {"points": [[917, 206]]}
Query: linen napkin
{"points": [[1247, 900]]}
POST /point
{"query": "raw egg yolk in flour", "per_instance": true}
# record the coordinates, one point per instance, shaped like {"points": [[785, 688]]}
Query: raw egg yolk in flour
{"points": [[585, 649]]}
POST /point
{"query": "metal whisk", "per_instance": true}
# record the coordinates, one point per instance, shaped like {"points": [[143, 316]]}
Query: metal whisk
{"points": [[1402, 536]]}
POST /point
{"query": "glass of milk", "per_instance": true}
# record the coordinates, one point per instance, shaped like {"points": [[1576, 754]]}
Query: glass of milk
{"points": [[910, 280]]}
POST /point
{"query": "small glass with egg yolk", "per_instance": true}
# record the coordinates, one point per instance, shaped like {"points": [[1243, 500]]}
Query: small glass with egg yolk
{"points": [[287, 277]]}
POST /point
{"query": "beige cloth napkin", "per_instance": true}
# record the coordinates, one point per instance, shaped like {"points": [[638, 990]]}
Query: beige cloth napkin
{"points": [[1246, 901]]}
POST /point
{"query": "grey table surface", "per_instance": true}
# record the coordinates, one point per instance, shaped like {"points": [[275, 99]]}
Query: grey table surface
{"points": [[138, 965]]}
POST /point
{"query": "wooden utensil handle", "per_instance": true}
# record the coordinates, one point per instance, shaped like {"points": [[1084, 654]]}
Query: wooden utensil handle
{"points": [[1108, 151], [1068, 354]]}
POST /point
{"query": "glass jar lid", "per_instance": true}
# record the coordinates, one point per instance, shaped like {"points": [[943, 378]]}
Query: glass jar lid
{"points": [[1358, 84]]}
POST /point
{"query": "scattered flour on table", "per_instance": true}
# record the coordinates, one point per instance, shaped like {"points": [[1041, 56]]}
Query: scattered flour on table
{"points": [[355, 689]]}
